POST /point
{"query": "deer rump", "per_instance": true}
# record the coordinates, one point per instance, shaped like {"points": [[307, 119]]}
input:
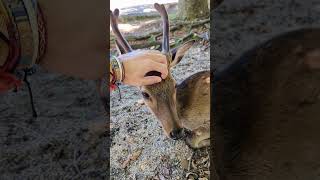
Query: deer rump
{"points": [[267, 111]]}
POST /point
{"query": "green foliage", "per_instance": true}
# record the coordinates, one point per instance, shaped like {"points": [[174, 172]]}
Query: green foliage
{"points": [[172, 16], [152, 39]]}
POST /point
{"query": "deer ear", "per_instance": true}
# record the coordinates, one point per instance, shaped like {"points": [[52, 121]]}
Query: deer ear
{"points": [[178, 53]]}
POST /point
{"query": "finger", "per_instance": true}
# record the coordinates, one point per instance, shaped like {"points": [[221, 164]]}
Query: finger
{"points": [[164, 75], [162, 68], [160, 58], [150, 80], [153, 51]]}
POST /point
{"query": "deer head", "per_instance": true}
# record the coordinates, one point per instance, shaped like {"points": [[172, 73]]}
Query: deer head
{"points": [[160, 97]]}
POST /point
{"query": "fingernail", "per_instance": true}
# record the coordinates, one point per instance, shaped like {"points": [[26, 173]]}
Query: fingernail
{"points": [[163, 76]]}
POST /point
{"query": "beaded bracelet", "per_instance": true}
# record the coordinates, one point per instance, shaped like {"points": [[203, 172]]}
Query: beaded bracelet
{"points": [[116, 72]]}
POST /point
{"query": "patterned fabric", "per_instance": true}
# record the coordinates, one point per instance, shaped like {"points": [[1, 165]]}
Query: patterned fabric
{"points": [[115, 73], [20, 42], [3, 19], [23, 14], [32, 10], [4, 32], [10, 51], [42, 28]]}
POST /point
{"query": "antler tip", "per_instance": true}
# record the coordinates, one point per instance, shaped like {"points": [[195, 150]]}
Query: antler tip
{"points": [[156, 5], [116, 12]]}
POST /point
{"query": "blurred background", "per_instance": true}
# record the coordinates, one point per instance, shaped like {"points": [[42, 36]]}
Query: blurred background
{"points": [[129, 3]]}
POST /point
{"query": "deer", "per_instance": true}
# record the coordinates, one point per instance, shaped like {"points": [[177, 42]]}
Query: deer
{"points": [[266, 110], [183, 110]]}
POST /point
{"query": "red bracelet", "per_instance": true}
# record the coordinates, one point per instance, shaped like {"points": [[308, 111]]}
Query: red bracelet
{"points": [[113, 85]]}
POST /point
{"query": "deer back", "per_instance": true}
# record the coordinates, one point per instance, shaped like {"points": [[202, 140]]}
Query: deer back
{"points": [[193, 100], [266, 107]]}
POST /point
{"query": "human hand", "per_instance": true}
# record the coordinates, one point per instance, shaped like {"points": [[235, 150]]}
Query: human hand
{"points": [[138, 63]]}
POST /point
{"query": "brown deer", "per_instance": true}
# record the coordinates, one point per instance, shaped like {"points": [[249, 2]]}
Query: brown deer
{"points": [[266, 108], [177, 106]]}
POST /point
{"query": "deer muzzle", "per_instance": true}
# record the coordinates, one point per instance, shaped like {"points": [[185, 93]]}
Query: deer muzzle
{"points": [[177, 134], [170, 121]]}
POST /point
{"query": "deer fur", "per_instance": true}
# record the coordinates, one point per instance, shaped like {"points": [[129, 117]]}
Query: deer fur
{"points": [[267, 110], [176, 106]]}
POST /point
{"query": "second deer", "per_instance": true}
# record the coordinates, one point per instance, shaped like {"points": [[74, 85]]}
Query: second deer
{"points": [[266, 108], [177, 106]]}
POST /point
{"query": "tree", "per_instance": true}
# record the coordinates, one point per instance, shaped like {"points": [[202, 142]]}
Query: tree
{"points": [[193, 9]]}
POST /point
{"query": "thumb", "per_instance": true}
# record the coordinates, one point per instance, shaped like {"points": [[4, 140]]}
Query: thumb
{"points": [[148, 80]]}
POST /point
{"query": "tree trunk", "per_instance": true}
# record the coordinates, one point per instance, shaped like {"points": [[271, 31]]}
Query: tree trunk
{"points": [[193, 9]]}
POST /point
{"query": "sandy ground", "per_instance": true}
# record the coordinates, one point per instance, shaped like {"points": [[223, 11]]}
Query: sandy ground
{"points": [[67, 140]]}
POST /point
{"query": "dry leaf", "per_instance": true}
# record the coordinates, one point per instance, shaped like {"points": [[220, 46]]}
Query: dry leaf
{"points": [[194, 166], [192, 175], [140, 102], [132, 157], [136, 155], [205, 160], [184, 163], [203, 179]]}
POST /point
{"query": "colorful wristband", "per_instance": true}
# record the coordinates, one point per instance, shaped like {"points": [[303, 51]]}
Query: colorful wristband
{"points": [[116, 72]]}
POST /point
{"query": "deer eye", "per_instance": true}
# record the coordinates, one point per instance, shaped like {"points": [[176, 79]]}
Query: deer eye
{"points": [[145, 95]]}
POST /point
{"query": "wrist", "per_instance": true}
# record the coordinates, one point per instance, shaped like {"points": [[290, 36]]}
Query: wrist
{"points": [[117, 70]]}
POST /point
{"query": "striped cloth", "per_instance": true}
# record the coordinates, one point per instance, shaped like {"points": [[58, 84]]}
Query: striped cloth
{"points": [[24, 15], [4, 49], [19, 44]]}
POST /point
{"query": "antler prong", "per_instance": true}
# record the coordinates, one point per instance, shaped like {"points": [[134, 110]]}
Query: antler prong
{"points": [[121, 41], [164, 15]]}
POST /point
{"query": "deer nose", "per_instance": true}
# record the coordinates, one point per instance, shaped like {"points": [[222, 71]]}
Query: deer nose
{"points": [[176, 134]]}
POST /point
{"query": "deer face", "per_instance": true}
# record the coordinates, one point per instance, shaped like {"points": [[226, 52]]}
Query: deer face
{"points": [[160, 97]]}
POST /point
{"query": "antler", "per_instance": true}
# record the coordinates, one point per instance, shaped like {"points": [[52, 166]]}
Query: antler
{"points": [[120, 40], [165, 43]]}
